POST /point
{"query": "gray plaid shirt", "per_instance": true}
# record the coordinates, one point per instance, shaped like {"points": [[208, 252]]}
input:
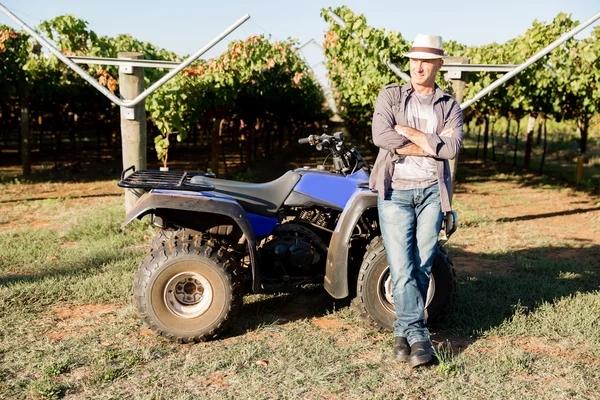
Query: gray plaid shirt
{"points": [[391, 110]]}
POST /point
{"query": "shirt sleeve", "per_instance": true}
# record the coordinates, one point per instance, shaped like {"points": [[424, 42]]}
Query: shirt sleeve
{"points": [[384, 135], [447, 147]]}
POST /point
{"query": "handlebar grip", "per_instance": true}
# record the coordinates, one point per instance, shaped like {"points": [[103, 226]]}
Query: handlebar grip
{"points": [[304, 141]]}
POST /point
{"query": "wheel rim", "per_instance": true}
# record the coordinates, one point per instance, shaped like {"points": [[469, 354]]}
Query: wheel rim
{"points": [[384, 290], [188, 295]]}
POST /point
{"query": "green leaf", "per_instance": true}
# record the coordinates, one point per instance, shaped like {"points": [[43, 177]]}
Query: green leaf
{"points": [[590, 56]]}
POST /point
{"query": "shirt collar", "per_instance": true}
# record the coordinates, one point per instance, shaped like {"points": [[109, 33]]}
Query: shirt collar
{"points": [[407, 90]]}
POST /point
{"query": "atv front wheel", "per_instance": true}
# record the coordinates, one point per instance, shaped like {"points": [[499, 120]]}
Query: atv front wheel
{"points": [[374, 298], [187, 293]]}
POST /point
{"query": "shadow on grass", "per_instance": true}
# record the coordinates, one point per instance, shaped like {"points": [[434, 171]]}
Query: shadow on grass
{"points": [[549, 215], [484, 299], [517, 282], [82, 266], [298, 303], [87, 196]]}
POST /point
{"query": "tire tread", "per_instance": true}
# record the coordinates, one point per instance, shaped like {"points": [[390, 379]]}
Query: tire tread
{"points": [[183, 242]]}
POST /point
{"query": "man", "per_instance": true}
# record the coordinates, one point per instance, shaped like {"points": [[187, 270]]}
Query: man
{"points": [[417, 128]]}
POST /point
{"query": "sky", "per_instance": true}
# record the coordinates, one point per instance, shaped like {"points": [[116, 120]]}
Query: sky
{"points": [[185, 26]]}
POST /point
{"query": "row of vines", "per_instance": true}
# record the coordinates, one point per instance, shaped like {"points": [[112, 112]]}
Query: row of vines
{"points": [[563, 86], [258, 95]]}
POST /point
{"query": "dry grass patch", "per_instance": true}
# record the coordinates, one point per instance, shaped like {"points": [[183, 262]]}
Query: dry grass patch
{"points": [[523, 324]]}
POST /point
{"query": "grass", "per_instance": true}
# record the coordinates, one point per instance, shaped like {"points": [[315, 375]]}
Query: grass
{"points": [[488, 301], [86, 263], [525, 325]]}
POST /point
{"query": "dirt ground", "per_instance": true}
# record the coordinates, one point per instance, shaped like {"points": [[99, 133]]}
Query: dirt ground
{"points": [[530, 213], [526, 209], [499, 213], [557, 213]]}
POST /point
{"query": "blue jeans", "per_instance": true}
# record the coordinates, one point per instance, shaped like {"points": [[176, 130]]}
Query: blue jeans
{"points": [[410, 223]]}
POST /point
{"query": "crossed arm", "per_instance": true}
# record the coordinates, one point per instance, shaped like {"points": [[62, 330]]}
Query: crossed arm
{"points": [[419, 145], [442, 146], [404, 140]]}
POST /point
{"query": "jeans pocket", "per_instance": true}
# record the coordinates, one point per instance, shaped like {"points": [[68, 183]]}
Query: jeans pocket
{"points": [[387, 211], [433, 195], [397, 209]]}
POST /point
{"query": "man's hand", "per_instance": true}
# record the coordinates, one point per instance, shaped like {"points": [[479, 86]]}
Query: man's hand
{"points": [[410, 150], [417, 137], [414, 149]]}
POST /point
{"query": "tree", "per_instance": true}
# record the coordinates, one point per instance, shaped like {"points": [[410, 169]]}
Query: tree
{"points": [[357, 73], [15, 83], [579, 90], [535, 88], [254, 80]]}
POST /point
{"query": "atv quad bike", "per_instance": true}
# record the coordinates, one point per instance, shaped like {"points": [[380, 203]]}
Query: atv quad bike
{"points": [[219, 239]]}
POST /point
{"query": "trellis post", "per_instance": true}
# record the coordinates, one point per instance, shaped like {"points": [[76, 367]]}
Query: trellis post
{"points": [[133, 120]]}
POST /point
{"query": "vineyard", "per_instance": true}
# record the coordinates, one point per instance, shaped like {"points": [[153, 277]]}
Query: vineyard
{"points": [[523, 323], [560, 91], [256, 97], [260, 96]]}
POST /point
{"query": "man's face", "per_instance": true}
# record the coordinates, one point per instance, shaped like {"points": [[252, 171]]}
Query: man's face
{"points": [[423, 72]]}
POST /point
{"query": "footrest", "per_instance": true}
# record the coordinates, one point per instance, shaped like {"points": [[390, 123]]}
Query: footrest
{"points": [[173, 180]]}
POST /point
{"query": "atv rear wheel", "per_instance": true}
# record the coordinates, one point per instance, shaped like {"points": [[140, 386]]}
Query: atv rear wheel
{"points": [[187, 292], [374, 298]]}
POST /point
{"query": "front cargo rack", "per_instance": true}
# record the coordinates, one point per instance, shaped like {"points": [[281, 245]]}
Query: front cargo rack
{"points": [[173, 180]]}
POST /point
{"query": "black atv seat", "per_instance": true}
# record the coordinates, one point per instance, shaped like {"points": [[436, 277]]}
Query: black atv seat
{"points": [[257, 198]]}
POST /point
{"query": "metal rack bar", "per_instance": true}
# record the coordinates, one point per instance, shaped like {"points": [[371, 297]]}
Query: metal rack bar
{"points": [[531, 60], [102, 89], [124, 62]]}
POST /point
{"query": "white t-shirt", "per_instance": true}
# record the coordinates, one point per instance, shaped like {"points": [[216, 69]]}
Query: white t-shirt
{"points": [[411, 172]]}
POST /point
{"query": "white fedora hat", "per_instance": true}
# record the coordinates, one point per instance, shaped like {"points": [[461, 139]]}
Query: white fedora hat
{"points": [[426, 47]]}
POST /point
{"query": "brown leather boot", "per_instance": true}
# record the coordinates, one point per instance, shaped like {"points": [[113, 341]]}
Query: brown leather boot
{"points": [[401, 349], [420, 354]]}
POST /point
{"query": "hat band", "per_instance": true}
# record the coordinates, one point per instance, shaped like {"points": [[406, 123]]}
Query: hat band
{"points": [[430, 50]]}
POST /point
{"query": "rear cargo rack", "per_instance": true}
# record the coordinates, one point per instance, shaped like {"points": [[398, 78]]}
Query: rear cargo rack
{"points": [[173, 180]]}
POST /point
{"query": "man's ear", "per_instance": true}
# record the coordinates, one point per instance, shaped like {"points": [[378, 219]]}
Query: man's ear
{"points": [[440, 63]]}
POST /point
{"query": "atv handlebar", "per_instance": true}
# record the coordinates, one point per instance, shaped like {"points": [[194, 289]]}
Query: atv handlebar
{"points": [[324, 140], [345, 160]]}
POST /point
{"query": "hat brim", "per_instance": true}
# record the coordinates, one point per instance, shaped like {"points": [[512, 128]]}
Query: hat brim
{"points": [[422, 55]]}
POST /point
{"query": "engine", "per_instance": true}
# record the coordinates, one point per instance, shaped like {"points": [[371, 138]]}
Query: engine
{"points": [[320, 218], [293, 254]]}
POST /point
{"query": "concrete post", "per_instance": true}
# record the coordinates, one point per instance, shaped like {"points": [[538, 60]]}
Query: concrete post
{"points": [[133, 121], [459, 82]]}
